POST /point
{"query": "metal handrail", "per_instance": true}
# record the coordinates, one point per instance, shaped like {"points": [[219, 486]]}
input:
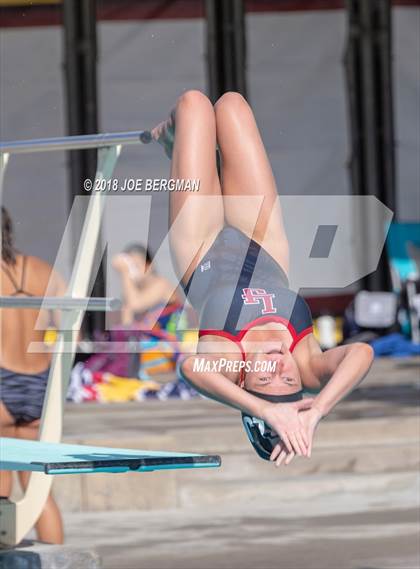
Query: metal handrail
{"points": [[75, 142], [95, 304]]}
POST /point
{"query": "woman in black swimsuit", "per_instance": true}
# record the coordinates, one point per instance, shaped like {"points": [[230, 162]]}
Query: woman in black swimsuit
{"points": [[24, 375], [232, 254]]}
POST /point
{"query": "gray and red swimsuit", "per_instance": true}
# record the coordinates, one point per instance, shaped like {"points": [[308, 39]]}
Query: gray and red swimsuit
{"points": [[238, 285]]}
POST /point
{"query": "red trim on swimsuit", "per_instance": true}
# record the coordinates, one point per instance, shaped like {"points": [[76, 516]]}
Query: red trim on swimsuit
{"points": [[236, 338], [300, 336], [266, 320]]}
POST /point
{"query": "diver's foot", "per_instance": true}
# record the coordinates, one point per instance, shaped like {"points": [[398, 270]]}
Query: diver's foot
{"points": [[164, 134]]}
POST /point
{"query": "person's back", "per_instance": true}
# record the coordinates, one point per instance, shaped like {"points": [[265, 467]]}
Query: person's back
{"points": [[27, 276], [24, 374]]}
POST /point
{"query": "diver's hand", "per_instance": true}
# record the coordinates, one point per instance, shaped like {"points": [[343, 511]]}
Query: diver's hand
{"points": [[309, 421], [284, 420], [280, 454]]}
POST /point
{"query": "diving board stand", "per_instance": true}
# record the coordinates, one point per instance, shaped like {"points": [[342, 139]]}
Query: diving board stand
{"points": [[49, 458], [17, 518]]}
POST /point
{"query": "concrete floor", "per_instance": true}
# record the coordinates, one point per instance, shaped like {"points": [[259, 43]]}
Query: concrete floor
{"points": [[354, 505], [330, 518], [216, 539]]}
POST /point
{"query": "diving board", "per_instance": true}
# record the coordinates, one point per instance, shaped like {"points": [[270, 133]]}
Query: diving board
{"points": [[49, 458]]}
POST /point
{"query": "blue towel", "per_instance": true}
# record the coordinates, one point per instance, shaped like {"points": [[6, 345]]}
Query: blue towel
{"points": [[395, 345]]}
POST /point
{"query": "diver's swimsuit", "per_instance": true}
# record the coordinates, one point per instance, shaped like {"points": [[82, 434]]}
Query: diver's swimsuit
{"points": [[238, 285]]}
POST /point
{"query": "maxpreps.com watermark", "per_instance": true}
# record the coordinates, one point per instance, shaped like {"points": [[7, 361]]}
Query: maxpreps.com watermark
{"points": [[142, 185], [221, 365]]}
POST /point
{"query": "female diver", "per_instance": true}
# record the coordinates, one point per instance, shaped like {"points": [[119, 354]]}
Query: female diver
{"points": [[232, 255]]}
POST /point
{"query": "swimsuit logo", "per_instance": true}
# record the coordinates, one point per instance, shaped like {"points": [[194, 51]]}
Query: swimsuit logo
{"points": [[205, 266], [255, 295]]}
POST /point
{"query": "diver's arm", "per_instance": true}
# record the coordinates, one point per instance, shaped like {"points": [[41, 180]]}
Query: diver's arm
{"points": [[282, 417], [334, 374], [339, 371]]}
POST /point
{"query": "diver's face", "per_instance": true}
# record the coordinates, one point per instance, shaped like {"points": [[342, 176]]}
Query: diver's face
{"points": [[273, 370]]}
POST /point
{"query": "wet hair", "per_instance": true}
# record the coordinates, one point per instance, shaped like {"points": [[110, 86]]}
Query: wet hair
{"points": [[8, 251], [140, 250]]}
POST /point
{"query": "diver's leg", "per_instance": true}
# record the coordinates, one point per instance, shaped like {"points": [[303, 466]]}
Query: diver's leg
{"points": [[194, 221], [246, 172]]}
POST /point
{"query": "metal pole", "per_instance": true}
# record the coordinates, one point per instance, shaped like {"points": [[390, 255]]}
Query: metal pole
{"points": [[226, 47], [369, 84], [80, 53], [353, 84], [75, 142], [61, 303], [384, 42]]}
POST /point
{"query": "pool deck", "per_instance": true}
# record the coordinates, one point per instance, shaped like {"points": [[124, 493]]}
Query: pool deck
{"points": [[353, 505]]}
